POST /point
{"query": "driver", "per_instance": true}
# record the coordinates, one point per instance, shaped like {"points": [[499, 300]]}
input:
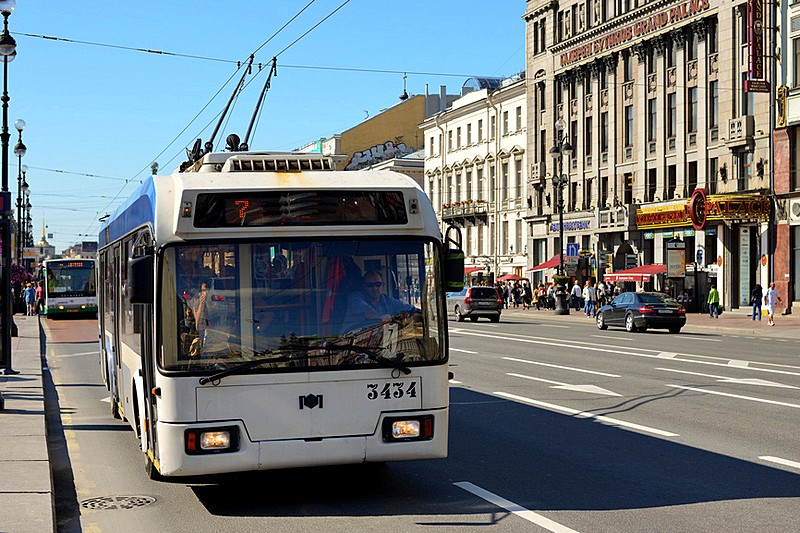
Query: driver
{"points": [[370, 306]]}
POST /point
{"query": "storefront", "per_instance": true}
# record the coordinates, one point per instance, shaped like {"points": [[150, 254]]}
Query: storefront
{"points": [[724, 237]]}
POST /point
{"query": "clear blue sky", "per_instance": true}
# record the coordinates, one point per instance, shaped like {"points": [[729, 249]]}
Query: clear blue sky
{"points": [[99, 115]]}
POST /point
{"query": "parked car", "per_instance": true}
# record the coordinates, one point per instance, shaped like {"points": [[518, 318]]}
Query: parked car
{"points": [[639, 311], [475, 302]]}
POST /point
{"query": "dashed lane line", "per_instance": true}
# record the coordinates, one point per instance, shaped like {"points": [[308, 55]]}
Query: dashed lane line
{"points": [[778, 460], [516, 509], [739, 396], [583, 414]]}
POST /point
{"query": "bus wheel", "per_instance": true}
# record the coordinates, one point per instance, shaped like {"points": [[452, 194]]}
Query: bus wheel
{"points": [[150, 468], [114, 408]]}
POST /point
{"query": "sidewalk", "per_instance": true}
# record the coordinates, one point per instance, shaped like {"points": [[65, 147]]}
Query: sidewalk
{"points": [[26, 488], [736, 322]]}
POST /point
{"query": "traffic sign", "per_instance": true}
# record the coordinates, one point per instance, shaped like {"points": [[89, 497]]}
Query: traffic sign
{"points": [[572, 249]]}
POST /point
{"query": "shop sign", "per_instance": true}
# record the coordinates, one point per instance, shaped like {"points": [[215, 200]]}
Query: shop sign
{"points": [[635, 30], [688, 233], [649, 235], [667, 234], [701, 208], [573, 225]]}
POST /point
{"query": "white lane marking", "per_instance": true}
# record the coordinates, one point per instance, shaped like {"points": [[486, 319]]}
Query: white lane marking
{"points": [[106, 399], [561, 367], [615, 338], [607, 348], [725, 379], [667, 355], [699, 339], [64, 356], [462, 351], [738, 364], [780, 461], [594, 389], [582, 414], [752, 399], [558, 326], [511, 507], [454, 382]]}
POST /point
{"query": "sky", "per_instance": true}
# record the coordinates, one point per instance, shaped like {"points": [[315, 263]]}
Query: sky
{"points": [[99, 111]]}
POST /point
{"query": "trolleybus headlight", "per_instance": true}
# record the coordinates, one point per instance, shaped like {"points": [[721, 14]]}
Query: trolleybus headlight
{"points": [[406, 429], [212, 440]]}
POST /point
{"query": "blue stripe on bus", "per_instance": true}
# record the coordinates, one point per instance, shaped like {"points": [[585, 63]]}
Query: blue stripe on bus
{"points": [[137, 210]]}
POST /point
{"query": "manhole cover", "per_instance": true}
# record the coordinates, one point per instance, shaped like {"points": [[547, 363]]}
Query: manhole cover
{"points": [[117, 502]]}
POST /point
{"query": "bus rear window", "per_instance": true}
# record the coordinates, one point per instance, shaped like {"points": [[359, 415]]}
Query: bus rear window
{"points": [[305, 208]]}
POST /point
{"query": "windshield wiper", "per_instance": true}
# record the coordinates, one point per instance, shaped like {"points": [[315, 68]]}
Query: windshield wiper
{"points": [[368, 352]]}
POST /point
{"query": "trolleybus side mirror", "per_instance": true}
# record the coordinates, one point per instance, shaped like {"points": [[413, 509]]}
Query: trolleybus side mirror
{"points": [[453, 260], [140, 279]]}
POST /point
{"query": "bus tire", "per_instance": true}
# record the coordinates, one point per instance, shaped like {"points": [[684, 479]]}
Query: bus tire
{"points": [[150, 469], [114, 408]]}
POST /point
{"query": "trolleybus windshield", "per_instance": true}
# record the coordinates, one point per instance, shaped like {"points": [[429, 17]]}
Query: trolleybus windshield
{"points": [[301, 303]]}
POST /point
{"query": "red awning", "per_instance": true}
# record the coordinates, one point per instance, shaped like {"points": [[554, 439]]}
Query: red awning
{"points": [[640, 273], [553, 262], [470, 270]]}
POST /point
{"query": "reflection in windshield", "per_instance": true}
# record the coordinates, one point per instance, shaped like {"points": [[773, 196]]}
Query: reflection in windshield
{"points": [[225, 304]]}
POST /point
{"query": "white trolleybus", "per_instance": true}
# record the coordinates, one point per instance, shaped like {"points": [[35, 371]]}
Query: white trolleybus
{"points": [[262, 310], [69, 286]]}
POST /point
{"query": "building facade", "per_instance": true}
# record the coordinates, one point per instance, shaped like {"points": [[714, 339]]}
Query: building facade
{"points": [[475, 165], [669, 151]]}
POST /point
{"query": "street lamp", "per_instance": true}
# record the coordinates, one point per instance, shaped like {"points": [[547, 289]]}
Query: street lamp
{"points": [[561, 149], [8, 50], [19, 150]]}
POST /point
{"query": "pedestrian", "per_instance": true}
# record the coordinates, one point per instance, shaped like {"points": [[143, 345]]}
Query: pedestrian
{"points": [[756, 297], [589, 299], [771, 299], [713, 302], [527, 297], [29, 295], [39, 298], [575, 295]]}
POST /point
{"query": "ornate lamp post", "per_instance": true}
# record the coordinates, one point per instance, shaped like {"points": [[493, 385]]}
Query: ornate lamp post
{"points": [[20, 150], [561, 148], [8, 50]]}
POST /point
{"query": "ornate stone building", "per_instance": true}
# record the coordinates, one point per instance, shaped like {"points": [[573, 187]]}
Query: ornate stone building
{"points": [[669, 149]]}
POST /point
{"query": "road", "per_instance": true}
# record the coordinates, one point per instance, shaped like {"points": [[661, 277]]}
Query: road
{"points": [[555, 426]]}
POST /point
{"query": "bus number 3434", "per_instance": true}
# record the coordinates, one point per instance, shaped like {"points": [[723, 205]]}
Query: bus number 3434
{"points": [[391, 390]]}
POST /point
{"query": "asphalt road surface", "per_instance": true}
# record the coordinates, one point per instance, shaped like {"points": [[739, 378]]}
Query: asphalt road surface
{"points": [[554, 426]]}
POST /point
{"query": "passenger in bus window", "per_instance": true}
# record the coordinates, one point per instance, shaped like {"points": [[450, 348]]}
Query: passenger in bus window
{"points": [[370, 306]]}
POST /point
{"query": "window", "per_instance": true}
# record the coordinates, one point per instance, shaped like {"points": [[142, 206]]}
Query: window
{"points": [[627, 66], [430, 148], [671, 114], [672, 54], [650, 193], [492, 127], [469, 183], [458, 137], [574, 139], [469, 134], [558, 92], [713, 104], [505, 122], [796, 44], [794, 162], [691, 110], [480, 130], [587, 136], [518, 178], [519, 118], [651, 60], [691, 46], [492, 180], [629, 131], [604, 132], [504, 180], [652, 119], [711, 39], [479, 180], [691, 178], [450, 140], [672, 181], [713, 171], [518, 237], [458, 186]]}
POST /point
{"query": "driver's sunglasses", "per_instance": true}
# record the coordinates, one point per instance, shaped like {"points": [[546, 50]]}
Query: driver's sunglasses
{"points": [[374, 284]]}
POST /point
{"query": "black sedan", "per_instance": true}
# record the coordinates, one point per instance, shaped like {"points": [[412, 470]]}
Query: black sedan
{"points": [[638, 311]]}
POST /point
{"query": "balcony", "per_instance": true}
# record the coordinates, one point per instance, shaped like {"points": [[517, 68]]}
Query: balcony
{"points": [[465, 211], [740, 131]]}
